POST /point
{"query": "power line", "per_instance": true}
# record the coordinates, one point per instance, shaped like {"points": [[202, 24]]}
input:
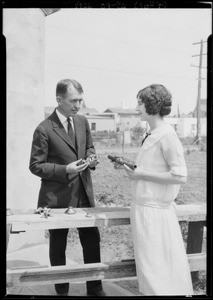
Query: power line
{"points": [[199, 42], [198, 66], [92, 35], [135, 25], [122, 21], [116, 71], [199, 54]]}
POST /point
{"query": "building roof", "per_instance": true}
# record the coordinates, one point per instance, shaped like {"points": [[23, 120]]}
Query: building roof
{"points": [[87, 111], [120, 110], [102, 117]]}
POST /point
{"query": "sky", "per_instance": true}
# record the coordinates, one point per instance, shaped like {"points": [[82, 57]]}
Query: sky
{"points": [[114, 53]]}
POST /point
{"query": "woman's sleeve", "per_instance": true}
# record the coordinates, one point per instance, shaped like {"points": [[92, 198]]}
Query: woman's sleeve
{"points": [[173, 154]]}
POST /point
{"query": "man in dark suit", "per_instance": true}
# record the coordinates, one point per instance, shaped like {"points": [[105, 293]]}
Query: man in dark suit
{"points": [[62, 155]]}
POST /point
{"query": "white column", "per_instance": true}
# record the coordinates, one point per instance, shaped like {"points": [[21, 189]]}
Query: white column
{"points": [[24, 31]]}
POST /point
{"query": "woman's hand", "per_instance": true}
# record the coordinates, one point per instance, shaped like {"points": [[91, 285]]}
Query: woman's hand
{"points": [[118, 166], [130, 173]]}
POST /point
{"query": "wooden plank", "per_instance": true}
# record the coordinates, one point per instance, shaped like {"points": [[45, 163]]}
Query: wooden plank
{"points": [[111, 270], [62, 274], [191, 213], [197, 262], [100, 216], [194, 242]]}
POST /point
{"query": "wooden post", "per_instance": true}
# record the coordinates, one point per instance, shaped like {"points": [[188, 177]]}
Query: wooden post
{"points": [[194, 242]]}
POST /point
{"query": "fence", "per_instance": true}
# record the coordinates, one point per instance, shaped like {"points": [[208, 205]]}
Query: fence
{"points": [[20, 221]]}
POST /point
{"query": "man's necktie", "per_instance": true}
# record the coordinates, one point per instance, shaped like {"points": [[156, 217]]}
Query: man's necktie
{"points": [[147, 134], [70, 131]]}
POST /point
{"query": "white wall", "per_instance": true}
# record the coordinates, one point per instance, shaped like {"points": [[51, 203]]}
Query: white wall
{"points": [[187, 127], [102, 124], [24, 31], [130, 122]]}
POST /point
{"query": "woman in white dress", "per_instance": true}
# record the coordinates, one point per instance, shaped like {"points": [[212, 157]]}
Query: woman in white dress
{"points": [[161, 261]]}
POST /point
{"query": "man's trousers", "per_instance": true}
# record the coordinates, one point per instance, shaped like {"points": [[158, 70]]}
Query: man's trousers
{"points": [[90, 241]]}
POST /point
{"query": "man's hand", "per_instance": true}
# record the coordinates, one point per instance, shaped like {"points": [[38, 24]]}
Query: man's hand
{"points": [[76, 166], [92, 161]]}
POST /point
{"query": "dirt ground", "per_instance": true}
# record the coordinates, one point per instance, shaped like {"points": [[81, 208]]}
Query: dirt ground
{"points": [[112, 189]]}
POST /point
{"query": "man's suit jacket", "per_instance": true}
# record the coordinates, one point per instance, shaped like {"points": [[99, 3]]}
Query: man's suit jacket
{"points": [[52, 150]]}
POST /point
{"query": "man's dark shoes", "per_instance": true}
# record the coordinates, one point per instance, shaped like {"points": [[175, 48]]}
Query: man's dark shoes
{"points": [[97, 293]]}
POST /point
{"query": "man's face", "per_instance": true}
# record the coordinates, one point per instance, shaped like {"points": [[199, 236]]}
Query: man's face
{"points": [[70, 104]]}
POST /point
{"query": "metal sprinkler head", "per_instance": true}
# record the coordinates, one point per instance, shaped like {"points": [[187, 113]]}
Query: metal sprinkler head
{"points": [[70, 210]]}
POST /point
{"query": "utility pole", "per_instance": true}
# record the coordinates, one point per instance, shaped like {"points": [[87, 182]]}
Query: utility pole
{"points": [[197, 140]]}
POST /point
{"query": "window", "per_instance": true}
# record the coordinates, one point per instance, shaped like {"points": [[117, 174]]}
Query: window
{"points": [[93, 126]]}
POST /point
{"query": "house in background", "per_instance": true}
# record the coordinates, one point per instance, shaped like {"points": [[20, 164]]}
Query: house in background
{"points": [[97, 121], [101, 121], [186, 126], [122, 119], [127, 118]]}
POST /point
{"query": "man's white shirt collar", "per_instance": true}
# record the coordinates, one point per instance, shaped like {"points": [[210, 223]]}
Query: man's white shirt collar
{"points": [[63, 119]]}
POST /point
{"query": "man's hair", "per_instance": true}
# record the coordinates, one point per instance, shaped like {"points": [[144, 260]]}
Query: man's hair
{"points": [[157, 99], [62, 86]]}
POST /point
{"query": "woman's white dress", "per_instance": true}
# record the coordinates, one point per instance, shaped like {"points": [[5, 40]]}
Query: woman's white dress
{"points": [[161, 260]]}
